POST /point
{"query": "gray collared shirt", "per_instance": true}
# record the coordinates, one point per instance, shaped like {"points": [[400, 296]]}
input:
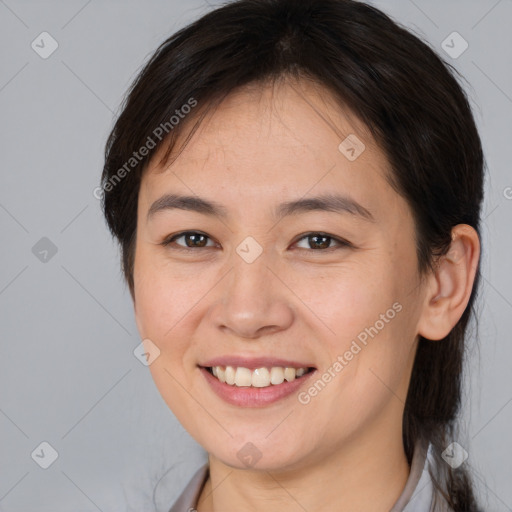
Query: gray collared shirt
{"points": [[417, 495]]}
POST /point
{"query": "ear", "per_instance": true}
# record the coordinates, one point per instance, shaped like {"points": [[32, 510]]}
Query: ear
{"points": [[449, 286]]}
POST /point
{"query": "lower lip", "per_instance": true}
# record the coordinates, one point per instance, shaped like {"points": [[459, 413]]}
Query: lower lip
{"points": [[245, 396]]}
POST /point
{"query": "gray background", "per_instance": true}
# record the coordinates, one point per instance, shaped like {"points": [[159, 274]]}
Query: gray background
{"points": [[68, 375]]}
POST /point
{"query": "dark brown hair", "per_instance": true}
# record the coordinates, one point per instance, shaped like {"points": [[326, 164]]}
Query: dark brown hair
{"points": [[399, 88]]}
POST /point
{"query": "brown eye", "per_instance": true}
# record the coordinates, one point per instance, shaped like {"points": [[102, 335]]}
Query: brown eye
{"points": [[192, 240], [322, 241], [319, 241], [315, 241]]}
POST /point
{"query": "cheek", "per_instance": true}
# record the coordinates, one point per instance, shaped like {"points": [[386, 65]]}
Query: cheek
{"points": [[347, 300], [164, 305], [373, 373], [368, 328], [161, 300]]}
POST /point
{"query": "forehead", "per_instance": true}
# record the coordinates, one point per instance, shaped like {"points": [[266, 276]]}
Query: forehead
{"points": [[273, 142]]}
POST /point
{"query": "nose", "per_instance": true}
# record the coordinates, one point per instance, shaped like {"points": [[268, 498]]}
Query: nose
{"points": [[252, 301]]}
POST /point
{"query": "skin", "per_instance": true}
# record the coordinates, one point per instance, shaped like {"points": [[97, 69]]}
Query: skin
{"points": [[343, 450]]}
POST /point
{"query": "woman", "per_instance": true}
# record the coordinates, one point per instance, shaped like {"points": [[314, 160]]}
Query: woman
{"points": [[296, 189]]}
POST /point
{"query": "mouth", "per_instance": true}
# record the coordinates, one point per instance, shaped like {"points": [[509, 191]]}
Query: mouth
{"points": [[260, 383], [264, 377], [255, 381]]}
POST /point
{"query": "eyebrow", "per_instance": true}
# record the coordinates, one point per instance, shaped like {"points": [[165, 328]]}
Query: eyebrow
{"points": [[327, 202]]}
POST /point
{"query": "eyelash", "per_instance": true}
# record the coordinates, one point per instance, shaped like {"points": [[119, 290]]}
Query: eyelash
{"points": [[340, 241]]}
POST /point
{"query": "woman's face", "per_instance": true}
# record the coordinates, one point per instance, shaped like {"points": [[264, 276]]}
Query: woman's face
{"points": [[260, 283]]}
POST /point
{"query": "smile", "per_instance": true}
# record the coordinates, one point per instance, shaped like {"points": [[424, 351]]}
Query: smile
{"points": [[257, 378], [257, 387]]}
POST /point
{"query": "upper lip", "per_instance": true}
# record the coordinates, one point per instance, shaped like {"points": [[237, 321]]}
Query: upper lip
{"points": [[254, 362]]}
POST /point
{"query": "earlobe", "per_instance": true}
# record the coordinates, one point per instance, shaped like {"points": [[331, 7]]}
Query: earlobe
{"points": [[450, 285]]}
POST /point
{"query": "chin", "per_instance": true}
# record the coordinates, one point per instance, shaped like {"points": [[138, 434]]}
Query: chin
{"points": [[263, 455]]}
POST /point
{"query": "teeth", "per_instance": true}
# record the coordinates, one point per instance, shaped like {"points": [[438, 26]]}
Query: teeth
{"points": [[243, 377], [289, 374], [258, 378], [230, 375], [276, 375]]}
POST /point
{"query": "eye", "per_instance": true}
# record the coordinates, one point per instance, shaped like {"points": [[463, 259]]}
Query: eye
{"points": [[193, 239], [322, 241], [197, 240]]}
